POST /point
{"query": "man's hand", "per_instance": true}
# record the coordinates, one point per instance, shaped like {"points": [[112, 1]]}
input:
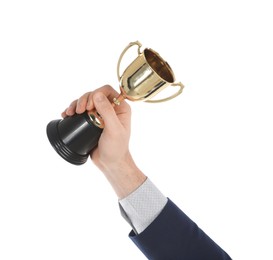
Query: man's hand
{"points": [[112, 155]]}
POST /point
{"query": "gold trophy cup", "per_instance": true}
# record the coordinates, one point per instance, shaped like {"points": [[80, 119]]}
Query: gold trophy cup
{"points": [[75, 137]]}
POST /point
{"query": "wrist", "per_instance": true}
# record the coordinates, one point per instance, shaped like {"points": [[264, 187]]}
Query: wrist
{"points": [[123, 175]]}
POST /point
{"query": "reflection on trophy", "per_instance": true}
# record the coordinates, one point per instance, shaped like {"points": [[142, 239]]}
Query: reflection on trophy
{"points": [[75, 137]]}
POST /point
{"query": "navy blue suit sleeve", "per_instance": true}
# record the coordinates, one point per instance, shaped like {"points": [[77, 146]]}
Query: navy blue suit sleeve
{"points": [[174, 236]]}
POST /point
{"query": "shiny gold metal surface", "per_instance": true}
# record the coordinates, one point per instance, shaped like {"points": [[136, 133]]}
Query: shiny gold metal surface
{"points": [[96, 118], [146, 76], [143, 79]]}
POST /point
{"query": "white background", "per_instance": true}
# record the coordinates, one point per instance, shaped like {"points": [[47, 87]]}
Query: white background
{"points": [[210, 150]]}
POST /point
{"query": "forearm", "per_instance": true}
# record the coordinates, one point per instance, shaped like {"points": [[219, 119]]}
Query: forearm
{"points": [[162, 231], [173, 235]]}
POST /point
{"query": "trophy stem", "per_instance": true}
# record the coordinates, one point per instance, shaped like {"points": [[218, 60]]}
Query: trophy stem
{"points": [[117, 101]]}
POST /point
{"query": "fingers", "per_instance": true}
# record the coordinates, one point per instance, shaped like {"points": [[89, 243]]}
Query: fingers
{"points": [[70, 111], [79, 105], [85, 102], [106, 110]]}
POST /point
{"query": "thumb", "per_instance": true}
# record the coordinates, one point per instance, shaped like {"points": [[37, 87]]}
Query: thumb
{"points": [[106, 110]]}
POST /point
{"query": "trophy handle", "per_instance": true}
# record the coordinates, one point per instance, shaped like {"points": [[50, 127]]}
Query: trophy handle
{"points": [[181, 86], [124, 51]]}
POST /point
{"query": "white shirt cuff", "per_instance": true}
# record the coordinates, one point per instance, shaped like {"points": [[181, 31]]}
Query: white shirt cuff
{"points": [[142, 206]]}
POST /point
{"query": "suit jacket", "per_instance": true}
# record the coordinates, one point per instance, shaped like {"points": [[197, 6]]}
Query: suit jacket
{"points": [[174, 236]]}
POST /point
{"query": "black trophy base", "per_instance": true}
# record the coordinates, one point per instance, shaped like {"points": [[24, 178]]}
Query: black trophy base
{"points": [[73, 138]]}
